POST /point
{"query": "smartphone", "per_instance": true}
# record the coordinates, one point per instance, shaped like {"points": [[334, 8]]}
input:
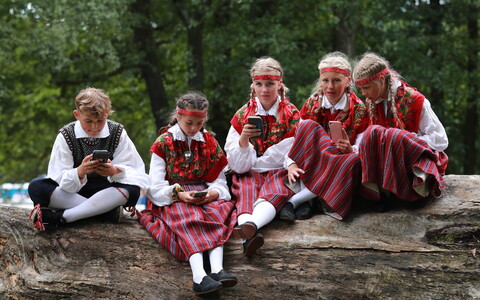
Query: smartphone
{"points": [[335, 130], [101, 155], [258, 122], [200, 194]]}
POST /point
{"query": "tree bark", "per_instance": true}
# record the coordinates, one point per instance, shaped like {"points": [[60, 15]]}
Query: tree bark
{"points": [[471, 120], [428, 253], [149, 65]]}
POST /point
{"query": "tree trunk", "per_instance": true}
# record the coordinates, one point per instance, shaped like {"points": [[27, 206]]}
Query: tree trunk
{"points": [[149, 66], [428, 253], [471, 119]]}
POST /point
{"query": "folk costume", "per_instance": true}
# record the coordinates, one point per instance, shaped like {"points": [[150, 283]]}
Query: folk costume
{"points": [[76, 199], [187, 163], [258, 169], [350, 110], [403, 156]]}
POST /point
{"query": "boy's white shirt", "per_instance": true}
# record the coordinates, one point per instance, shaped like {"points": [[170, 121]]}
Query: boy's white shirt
{"points": [[160, 190], [125, 157], [241, 160]]}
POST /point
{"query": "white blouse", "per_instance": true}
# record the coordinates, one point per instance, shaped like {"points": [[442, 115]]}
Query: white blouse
{"points": [[160, 190], [125, 158], [241, 160]]}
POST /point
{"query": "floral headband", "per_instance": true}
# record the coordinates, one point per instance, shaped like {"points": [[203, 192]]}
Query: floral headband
{"points": [[336, 70], [372, 78], [184, 112]]}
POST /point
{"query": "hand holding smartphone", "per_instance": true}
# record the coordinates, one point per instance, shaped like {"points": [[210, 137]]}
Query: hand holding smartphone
{"points": [[257, 121], [335, 130], [200, 194], [100, 155]]}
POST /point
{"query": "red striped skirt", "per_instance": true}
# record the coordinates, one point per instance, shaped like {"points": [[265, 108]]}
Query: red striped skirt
{"points": [[330, 174], [185, 229], [389, 157], [250, 186]]}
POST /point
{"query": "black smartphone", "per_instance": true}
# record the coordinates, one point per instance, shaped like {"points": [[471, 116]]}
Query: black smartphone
{"points": [[258, 122], [200, 194], [100, 155]]}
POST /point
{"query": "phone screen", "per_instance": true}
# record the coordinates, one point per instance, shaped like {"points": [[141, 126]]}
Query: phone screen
{"points": [[200, 194]]}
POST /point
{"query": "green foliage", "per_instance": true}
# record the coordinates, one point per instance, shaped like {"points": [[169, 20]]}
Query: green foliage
{"points": [[49, 50]]}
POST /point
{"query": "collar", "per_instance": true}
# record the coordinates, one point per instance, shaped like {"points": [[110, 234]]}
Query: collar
{"points": [[339, 106], [396, 85], [80, 133], [178, 134], [271, 112]]}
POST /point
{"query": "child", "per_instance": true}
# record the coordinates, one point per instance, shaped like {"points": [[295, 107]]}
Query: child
{"points": [[78, 187], [189, 211], [257, 162], [403, 156], [330, 177]]}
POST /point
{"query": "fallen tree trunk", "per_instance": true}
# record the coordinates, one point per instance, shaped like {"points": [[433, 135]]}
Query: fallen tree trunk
{"points": [[428, 253]]}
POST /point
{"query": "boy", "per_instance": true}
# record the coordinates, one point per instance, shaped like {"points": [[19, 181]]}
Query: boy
{"points": [[79, 187]]}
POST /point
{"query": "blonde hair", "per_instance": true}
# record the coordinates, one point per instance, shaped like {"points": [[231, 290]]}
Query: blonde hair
{"points": [[268, 64], [369, 65], [93, 102], [335, 59]]}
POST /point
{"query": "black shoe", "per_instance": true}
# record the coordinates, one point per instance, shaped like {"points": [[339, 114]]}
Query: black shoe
{"points": [[226, 279], [48, 218], [304, 211], [208, 285], [251, 246], [114, 216], [287, 213], [419, 203], [245, 231]]}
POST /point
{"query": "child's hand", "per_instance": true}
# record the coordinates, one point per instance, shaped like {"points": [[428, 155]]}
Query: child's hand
{"points": [[248, 131], [343, 144], [294, 172], [107, 169], [87, 166]]}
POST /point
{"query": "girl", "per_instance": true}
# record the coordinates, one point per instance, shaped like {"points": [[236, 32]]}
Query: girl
{"points": [[189, 211], [404, 155], [257, 162], [78, 186], [332, 100]]}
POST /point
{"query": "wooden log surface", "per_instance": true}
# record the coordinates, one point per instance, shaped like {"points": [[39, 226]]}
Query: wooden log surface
{"points": [[427, 253]]}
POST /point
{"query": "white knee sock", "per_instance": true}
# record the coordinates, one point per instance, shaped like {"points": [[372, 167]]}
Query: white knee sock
{"points": [[263, 213], [303, 196], [196, 264], [216, 259], [101, 202], [63, 200], [244, 218]]}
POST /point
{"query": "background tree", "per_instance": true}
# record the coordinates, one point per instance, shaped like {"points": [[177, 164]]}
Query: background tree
{"points": [[144, 53]]}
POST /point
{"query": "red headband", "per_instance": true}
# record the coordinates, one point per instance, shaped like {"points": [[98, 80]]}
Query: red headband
{"points": [[372, 78], [267, 77], [336, 70], [201, 114]]}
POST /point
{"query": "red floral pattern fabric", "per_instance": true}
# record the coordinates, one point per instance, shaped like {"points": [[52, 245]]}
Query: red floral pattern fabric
{"points": [[276, 128], [409, 103], [354, 117], [208, 158]]}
